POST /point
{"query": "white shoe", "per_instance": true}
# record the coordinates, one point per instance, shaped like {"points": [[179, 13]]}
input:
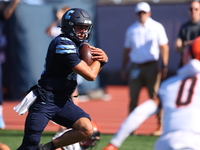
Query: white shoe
{"points": [[2, 124]]}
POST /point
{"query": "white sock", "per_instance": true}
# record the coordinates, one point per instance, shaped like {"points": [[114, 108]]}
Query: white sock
{"points": [[1, 109], [133, 121]]}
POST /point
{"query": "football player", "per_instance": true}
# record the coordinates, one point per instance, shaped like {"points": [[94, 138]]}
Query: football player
{"points": [[180, 99], [52, 96]]}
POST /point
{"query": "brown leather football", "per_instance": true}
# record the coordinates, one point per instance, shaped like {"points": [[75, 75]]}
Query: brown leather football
{"points": [[85, 54]]}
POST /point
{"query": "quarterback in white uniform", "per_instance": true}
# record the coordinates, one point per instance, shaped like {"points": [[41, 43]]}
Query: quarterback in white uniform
{"points": [[180, 99]]}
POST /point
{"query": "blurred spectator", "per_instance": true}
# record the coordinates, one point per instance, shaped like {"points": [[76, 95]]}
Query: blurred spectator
{"points": [[53, 29], [189, 30], [5, 13], [145, 40]]}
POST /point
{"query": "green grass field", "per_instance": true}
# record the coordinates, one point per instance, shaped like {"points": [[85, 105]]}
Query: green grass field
{"points": [[13, 139]]}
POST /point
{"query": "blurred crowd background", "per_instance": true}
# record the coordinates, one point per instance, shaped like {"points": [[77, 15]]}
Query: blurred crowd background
{"points": [[27, 41]]}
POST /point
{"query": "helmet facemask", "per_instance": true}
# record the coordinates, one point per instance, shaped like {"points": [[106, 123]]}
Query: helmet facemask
{"points": [[87, 32]]}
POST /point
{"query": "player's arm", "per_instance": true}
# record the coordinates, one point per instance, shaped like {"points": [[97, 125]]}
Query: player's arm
{"points": [[179, 40], [49, 28], [90, 72], [67, 54], [164, 50], [99, 55], [180, 45], [75, 96], [125, 57], [125, 60], [10, 9]]}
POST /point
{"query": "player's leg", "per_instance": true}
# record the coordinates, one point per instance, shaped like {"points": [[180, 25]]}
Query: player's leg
{"points": [[36, 121], [135, 86], [75, 100], [132, 122], [2, 123], [71, 116], [159, 129], [152, 80], [82, 129]]}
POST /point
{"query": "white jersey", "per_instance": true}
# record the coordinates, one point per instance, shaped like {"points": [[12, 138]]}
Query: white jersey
{"points": [[180, 97], [144, 41]]}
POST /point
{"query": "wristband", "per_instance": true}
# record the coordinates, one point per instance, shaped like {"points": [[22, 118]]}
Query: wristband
{"points": [[103, 63], [165, 66]]}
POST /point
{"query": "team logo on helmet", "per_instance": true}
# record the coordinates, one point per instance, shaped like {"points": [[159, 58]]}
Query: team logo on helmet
{"points": [[68, 15]]}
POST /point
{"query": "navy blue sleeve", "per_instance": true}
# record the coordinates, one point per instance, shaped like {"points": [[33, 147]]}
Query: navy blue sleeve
{"points": [[67, 52]]}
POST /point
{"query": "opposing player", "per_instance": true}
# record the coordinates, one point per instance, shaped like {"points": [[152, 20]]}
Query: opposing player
{"points": [[52, 98], [180, 99]]}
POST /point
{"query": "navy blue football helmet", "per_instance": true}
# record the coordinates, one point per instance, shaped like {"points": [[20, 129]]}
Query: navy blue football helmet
{"points": [[73, 17]]}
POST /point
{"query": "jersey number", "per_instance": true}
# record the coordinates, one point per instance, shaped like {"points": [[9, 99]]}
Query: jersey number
{"points": [[190, 92]]}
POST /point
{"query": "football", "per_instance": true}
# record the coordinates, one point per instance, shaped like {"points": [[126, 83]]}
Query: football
{"points": [[85, 53]]}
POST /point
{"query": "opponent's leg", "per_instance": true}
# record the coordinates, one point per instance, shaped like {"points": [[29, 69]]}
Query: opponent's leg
{"points": [[132, 122]]}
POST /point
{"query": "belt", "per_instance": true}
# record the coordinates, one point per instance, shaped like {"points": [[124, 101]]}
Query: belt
{"points": [[143, 64]]}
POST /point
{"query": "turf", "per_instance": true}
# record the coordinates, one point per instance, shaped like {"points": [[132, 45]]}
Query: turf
{"points": [[13, 139]]}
